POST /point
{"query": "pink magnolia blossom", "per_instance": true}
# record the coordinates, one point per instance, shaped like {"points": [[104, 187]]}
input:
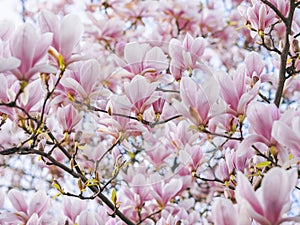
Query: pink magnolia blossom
{"points": [[139, 92], [120, 127], [85, 83], [143, 59], [254, 65], [65, 37], [286, 131], [31, 48], [30, 99], [68, 118], [224, 213], [7, 62], [179, 135], [107, 30], [26, 213], [260, 16], [163, 190], [197, 100], [192, 157], [158, 105], [265, 206], [234, 92], [261, 118], [73, 207], [186, 55]]}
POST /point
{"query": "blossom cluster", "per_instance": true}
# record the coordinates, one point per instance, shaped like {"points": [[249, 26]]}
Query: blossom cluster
{"points": [[150, 112]]}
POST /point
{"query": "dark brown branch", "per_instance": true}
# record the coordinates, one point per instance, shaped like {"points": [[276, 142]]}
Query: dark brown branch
{"points": [[27, 151], [284, 55]]}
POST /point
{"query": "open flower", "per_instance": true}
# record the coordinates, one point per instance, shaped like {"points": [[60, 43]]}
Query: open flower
{"points": [[268, 206], [143, 59], [68, 117], [185, 55], [139, 92], [30, 48], [66, 34], [196, 100]]}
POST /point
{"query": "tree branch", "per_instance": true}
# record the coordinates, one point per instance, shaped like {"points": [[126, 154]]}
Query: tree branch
{"points": [[94, 189], [284, 55]]}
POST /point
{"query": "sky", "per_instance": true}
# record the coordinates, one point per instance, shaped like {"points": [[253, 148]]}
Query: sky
{"points": [[9, 10]]}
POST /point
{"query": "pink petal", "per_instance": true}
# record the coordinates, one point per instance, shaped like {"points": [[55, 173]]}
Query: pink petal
{"points": [[254, 64], [262, 17], [197, 48], [89, 75], [39, 203], [228, 90], [246, 144], [155, 58], [171, 189], [139, 88], [223, 212], [175, 50], [69, 82], [262, 117], [187, 42], [286, 136], [282, 183], [69, 37], [23, 45], [48, 22], [134, 54], [8, 64], [73, 207], [33, 220], [252, 17], [17, 200], [245, 194], [87, 218], [42, 46]]}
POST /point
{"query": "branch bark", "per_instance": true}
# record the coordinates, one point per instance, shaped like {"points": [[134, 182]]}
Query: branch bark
{"points": [[94, 189], [284, 53]]}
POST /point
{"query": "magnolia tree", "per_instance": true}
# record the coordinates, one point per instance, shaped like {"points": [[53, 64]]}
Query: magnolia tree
{"points": [[150, 112]]}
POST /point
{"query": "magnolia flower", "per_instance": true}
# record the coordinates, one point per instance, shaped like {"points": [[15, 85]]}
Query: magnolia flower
{"points": [[26, 213], [271, 201], [261, 118], [164, 190], [85, 84], [254, 65], [30, 48], [143, 59], [260, 16], [68, 118], [197, 100], [224, 213], [286, 131], [66, 34], [186, 55], [72, 208], [139, 92], [234, 92]]}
